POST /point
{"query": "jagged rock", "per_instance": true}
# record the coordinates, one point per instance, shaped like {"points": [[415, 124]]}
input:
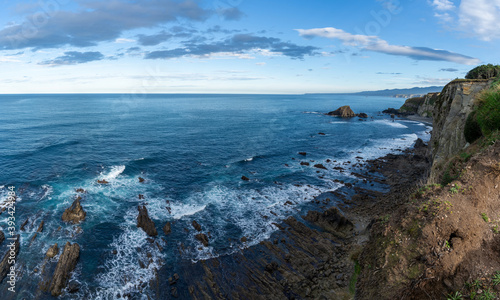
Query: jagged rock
{"points": [[12, 248], [320, 166], [344, 112], [24, 224], [167, 228], [40, 227], [331, 220], [244, 239], [2, 237], [74, 213], [362, 115], [390, 111], [53, 251], [245, 178], [104, 181], [141, 196], [141, 179], [65, 265], [202, 238], [322, 133], [303, 153], [80, 190], [419, 144], [73, 286], [304, 163], [144, 222], [196, 226]]}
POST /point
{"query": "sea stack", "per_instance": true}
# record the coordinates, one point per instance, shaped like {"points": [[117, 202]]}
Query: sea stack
{"points": [[344, 112]]}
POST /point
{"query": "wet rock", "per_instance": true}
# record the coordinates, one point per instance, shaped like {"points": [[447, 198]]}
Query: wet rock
{"points": [[80, 190], [244, 239], [391, 111], [173, 292], [4, 264], [141, 179], [321, 133], [303, 153], [167, 228], [144, 222], [362, 115], [245, 178], [65, 265], [73, 286], [344, 112], [173, 280], [2, 237], [104, 181], [196, 226], [202, 238], [24, 224], [271, 267], [74, 213], [304, 163], [320, 166], [40, 227]]}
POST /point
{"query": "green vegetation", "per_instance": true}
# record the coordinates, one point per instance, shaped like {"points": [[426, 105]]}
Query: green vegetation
{"points": [[354, 278], [484, 72], [495, 229], [485, 217], [496, 278], [447, 245], [456, 296], [472, 129]]}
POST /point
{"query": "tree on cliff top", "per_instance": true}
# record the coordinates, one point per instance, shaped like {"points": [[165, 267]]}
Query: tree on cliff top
{"points": [[484, 72]]}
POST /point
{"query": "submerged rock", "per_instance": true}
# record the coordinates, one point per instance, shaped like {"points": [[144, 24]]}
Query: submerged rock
{"points": [[202, 238], [167, 228], [303, 153], [144, 222], [141, 179], [80, 190], [344, 112], [102, 181], [74, 213], [65, 265], [362, 115], [245, 178], [304, 163], [196, 226], [320, 166]]}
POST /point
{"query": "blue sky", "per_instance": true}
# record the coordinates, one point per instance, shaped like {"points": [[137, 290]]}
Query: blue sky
{"points": [[242, 46]]}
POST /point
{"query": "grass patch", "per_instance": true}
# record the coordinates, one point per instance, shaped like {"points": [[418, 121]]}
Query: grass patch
{"points": [[485, 217], [354, 278]]}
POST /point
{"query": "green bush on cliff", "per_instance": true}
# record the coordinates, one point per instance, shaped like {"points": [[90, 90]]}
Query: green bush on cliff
{"points": [[488, 112], [472, 130], [484, 72]]}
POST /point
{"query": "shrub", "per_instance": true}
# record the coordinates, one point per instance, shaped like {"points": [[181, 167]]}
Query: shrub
{"points": [[484, 72], [488, 112], [472, 130]]}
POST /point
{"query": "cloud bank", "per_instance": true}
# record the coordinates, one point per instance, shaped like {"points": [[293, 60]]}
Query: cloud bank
{"points": [[375, 44], [74, 58]]}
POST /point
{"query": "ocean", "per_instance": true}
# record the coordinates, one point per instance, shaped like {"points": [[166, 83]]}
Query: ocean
{"points": [[192, 151]]}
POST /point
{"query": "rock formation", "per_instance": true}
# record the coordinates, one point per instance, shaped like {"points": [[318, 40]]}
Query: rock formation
{"points": [[167, 228], [144, 222], [4, 263], [202, 238], [74, 213], [344, 112], [65, 265], [52, 251], [2, 237]]}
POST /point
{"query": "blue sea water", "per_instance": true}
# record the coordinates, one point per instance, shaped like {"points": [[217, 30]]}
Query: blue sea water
{"points": [[192, 151]]}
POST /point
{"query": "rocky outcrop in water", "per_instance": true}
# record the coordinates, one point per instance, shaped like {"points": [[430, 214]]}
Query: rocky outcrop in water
{"points": [[10, 254], [74, 213], [65, 265], [144, 222], [2, 237], [52, 251], [343, 112]]}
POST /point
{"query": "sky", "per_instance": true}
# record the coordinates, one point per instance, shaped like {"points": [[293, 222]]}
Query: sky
{"points": [[242, 46]]}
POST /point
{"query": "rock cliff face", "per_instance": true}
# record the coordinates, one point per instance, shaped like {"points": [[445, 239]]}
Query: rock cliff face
{"points": [[427, 107], [451, 109]]}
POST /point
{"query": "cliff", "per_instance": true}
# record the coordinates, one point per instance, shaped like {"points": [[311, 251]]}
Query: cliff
{"points": [[451, 109]]}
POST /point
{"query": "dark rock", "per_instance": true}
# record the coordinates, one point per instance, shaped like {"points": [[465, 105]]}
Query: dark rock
{"points": [[173, 292], [40, 227], [202, 238], [344, 112], [4, 264], [331, 220], [2, 237], [244, 239], [320, 166], [73, 286], [362, 115], [196, 225], [271, 267], [167, 228], [24, 224], [141, 179], [65, 265], [321, 133], [144, 222], [419, 144], [304, 163], [303, 153], [80, 190], [390, 111], [74, 213], [245, 178], [393, 116], [102, 181]]}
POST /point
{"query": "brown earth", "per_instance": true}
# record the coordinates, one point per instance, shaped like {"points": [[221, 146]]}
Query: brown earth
{"points": [[439, 240]]}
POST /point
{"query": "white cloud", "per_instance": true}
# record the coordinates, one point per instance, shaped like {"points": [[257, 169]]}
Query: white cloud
{"points": [[443, 5], [374, 43], [481, 17], [261, 64], [122, 40]]}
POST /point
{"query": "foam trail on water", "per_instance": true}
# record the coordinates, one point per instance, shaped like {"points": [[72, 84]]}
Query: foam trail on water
{"points": [[115, 172]]}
